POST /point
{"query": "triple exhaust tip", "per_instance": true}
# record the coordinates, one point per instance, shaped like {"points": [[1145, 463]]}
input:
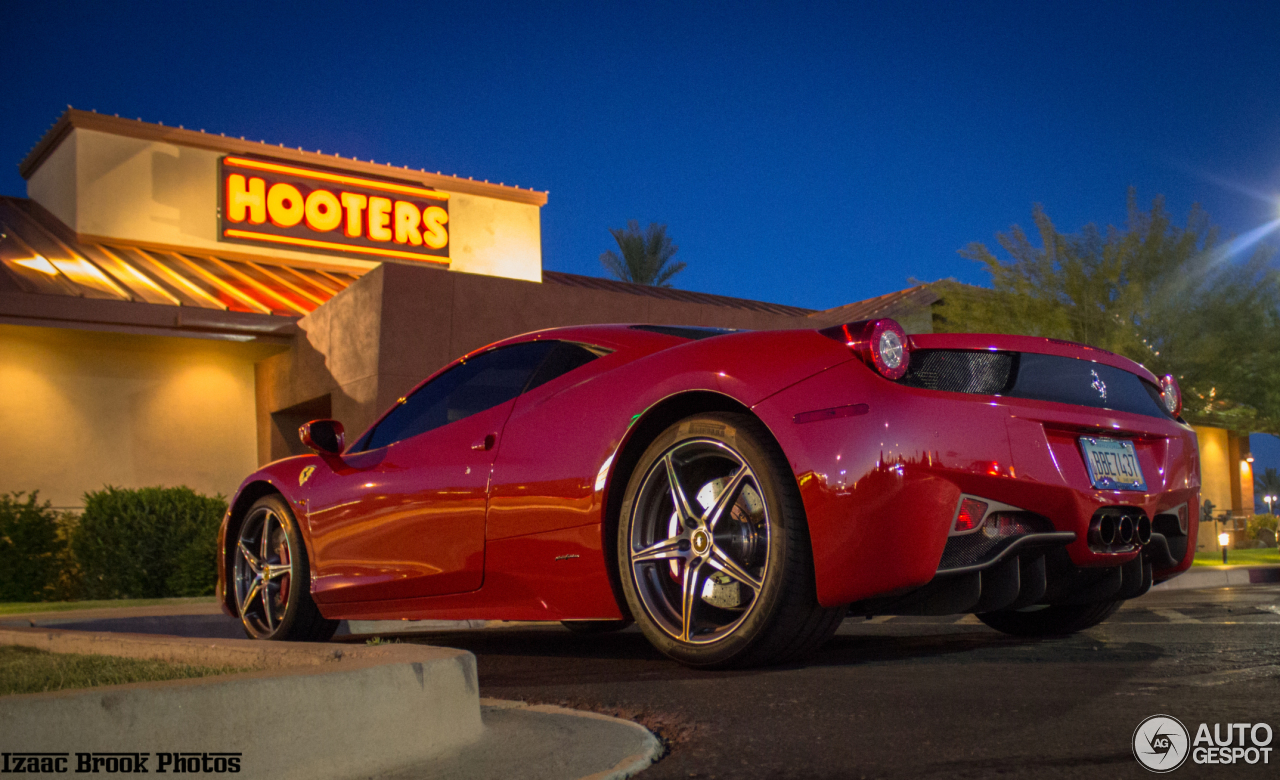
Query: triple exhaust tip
{"points": [[1119, 530]]}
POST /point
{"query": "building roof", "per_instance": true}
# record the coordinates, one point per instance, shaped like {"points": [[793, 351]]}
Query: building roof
{"points": [[48, 275], [901, 303], [136, 128], [671, 294]]}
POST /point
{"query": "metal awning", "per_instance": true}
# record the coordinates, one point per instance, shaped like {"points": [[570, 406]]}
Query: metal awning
{"points": [[41, 256]]}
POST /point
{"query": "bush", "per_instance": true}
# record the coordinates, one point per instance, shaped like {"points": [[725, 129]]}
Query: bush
{"points": [[1261, 528], [148, 543], [31, 548]]}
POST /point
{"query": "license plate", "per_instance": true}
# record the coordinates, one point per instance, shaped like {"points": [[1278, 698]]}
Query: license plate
{"points": [[1112, 464]]}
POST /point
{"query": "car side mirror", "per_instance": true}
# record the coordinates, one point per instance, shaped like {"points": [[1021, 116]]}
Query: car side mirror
{"points": [[323, 436]]}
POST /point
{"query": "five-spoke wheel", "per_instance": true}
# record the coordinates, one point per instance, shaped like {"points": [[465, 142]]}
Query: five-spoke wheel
{"points": [[713, 550], [700, 541], [271, 577]]}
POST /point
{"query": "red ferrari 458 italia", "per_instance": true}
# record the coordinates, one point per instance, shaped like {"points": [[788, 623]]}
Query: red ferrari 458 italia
{"points": [[736, 494]]}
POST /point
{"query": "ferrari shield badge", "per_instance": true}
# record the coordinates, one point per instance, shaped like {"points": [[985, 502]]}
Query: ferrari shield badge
{"points": [[305, 475]]}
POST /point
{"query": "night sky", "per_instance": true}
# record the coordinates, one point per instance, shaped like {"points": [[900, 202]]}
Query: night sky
{"points": [[808, 154]]}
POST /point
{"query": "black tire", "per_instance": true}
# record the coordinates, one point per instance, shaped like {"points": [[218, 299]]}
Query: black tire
{"points": [[271, 577], [740, 546], [595, 626], [1052, 620]]}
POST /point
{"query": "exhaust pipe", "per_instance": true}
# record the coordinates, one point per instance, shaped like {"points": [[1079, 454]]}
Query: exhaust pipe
{"points": [[1124, 534], [1144, 530], [1103, 531]]}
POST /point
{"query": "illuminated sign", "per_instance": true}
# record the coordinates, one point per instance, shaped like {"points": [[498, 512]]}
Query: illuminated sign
{"points": [[271, 203]]}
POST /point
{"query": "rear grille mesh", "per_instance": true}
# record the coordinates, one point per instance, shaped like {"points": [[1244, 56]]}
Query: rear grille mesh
{"points": [[960, 371], [981, 546]]}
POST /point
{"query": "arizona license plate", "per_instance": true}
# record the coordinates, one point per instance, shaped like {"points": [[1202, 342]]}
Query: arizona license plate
{"points": [[1112, 464]]}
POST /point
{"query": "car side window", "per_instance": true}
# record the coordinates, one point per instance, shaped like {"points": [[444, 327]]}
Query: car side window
{"points": [[481, 383], [563, 359]]}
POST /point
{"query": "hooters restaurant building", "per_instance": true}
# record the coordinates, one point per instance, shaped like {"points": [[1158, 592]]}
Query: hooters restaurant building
{"points": [[175, 303]]}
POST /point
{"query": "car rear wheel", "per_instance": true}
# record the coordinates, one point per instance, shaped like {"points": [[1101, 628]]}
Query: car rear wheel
{"points": [[272, 577], [1051, 620], [714, 549]]}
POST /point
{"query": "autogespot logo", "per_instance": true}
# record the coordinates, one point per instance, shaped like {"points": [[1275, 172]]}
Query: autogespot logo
{"points": [[1160, 743]]}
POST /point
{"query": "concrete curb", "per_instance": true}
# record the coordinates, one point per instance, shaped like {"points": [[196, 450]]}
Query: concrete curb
{"points": [[649, 749], [1221, 577], [326, 711], [315, 711]]}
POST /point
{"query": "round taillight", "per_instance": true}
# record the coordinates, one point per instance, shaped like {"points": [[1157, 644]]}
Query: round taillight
{"points": [[882, 344], [1171, 394], [889, 349]]}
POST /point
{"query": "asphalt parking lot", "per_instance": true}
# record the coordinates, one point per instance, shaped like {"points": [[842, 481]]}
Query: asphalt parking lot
{"points": [[905, 696], [923, 697]]}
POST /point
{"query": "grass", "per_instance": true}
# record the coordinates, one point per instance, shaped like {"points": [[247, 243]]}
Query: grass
{"points": [[28, 670], [1255, 557], [21, 607]]}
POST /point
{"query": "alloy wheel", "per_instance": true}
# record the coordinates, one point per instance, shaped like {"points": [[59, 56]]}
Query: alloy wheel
{"points": [[263, 572], [699, 541]]}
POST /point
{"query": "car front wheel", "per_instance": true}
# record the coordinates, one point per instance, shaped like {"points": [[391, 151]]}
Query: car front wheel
{"points": [[272, 577]]}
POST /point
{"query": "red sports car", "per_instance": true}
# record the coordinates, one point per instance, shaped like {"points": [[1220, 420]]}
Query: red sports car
{"points": [[736, 494]]}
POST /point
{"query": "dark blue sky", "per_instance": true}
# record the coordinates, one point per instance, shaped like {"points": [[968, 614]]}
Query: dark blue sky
{"points": [[800, 153], [810, 155]]}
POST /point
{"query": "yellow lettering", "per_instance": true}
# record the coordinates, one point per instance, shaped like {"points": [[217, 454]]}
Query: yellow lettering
{"points": [[323, 211], [242, 197], [407, 220], [434, 234], [354, 203], [284, 205], [379, 218]]}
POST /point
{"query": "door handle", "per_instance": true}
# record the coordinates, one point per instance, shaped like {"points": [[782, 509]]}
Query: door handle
{"points": [[486, 443]]}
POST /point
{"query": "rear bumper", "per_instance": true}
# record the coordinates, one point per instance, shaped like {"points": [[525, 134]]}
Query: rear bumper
{"points": [[882, 488]]}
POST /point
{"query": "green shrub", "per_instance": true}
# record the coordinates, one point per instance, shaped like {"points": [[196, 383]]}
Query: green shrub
{"points": [[148, 543], [1261, 528], [31, 548]]}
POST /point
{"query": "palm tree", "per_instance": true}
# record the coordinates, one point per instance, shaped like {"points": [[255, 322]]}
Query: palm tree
{"points": [[646, 255], [1268, 485]]}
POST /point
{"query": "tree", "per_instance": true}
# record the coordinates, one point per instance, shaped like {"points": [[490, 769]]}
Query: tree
{"points": [[1268, 484], [646, 255], [1173, 298]]}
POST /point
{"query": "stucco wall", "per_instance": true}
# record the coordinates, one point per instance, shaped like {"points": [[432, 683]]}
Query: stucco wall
{"points": [[83, 409]]}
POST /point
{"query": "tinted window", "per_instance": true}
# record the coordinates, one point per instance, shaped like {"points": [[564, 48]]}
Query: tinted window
{"points": [[1082, 382], [485, 381], [563, 359]]}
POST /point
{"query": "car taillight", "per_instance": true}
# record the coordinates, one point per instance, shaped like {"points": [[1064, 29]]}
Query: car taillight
{"points": [[1171, 394], [970, 515], [881, 344]]}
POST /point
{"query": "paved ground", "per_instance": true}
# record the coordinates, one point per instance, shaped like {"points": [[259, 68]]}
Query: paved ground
{"points": [[913, 697]]}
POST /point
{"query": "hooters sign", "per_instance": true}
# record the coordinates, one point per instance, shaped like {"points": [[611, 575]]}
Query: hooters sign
{"points": [[277, 204]]}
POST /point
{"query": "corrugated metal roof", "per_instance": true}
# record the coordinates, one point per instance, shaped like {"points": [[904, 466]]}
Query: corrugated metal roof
{"points": [[40, 255]]}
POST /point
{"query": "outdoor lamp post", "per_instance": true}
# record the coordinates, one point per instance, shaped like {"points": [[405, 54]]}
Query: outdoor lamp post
{"points": [[1269, 499], [1224, 539]]}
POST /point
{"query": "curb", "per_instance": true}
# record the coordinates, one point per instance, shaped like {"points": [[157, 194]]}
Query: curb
{"points": [[313, 711], [325, 711], [650, 748], [1221, 577]]}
